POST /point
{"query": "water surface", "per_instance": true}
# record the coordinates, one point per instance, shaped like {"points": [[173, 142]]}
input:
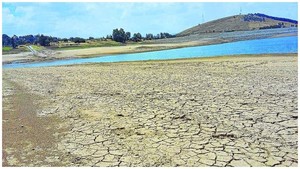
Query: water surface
{"points": [[259, 46]]}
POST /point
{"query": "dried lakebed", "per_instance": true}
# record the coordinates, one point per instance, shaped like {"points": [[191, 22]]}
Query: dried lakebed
{"points": [[226, 111]]}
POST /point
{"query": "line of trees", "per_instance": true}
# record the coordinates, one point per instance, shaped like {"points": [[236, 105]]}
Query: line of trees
{"points": [[118, 35], [276, 18], [42, 40], [77, 40], [15, 41]]}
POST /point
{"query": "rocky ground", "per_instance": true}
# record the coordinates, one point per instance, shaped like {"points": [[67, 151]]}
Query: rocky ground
{"points": [[226, 111]]}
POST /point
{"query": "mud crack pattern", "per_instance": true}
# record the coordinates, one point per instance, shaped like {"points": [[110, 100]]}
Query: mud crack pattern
{"points": [[237, 111]]}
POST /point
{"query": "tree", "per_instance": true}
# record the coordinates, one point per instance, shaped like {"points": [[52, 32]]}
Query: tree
{"points": [[71, 39], [119, 35], [128, 34], [122, 35], [65, 40], [149, 36], [15, 40], [78, 40], [47, 41], [36, 39], [137, 37], [6, 40], [13, 43], [44, 40], [157, 36], [166, 35]]}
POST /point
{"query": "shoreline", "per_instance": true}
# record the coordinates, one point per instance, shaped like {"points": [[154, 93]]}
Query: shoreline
{"points": [[164, 60], [136, 48], [197, 59]]}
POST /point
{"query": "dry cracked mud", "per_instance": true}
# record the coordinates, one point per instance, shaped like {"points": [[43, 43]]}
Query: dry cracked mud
{"points": [[226, 111]]}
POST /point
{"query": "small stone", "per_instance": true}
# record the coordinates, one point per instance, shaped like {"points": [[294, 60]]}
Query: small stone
{"points": [[100, 153], [272, 162], [239, 163], [211, 156], [116, 152], [255, 163], [100, 139], [109, 157], [196, 146], [172, 135], [207, 161], [224, 158]]}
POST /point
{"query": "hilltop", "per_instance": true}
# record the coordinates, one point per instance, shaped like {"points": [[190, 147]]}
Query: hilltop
{"points": [[240, 23]]}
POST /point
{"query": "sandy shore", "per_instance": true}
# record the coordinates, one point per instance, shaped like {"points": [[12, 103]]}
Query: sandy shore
{"points": [[99, 51], [225, 111], [153, 45]]}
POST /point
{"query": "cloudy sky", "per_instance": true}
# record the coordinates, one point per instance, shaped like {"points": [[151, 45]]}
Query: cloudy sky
{"points": [[98, 19]]}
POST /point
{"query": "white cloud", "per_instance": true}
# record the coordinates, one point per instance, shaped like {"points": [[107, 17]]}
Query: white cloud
{"points": [[20, 20], [7, 16], [98, 19]]}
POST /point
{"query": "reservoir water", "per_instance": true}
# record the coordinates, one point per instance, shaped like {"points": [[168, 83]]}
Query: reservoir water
{"points": [[259, 46]]}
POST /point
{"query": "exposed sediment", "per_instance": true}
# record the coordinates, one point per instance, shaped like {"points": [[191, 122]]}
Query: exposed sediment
{"points": [[232, 111]]}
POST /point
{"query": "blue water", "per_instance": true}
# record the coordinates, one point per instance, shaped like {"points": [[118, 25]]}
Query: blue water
{"points": [[259, 46]]}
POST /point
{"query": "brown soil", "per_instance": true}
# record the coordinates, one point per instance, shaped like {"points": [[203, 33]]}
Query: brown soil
{"points": [[28, 138], [223, 111]]}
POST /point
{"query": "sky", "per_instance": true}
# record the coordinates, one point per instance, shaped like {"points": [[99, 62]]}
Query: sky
{"points": [[98, 19]]}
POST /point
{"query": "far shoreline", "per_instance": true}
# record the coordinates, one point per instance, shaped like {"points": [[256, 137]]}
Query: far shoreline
{"points": [[196, 59], [94, 52]]}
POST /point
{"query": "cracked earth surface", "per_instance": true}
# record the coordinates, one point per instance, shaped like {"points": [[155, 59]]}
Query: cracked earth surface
{"points": [[227, 111]]}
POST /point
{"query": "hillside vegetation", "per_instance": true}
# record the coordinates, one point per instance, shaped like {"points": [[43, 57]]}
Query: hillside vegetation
{"points": [[240, 23]]}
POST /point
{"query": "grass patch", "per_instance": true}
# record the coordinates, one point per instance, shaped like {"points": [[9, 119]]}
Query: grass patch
{"points": [[37, 48], [6, 48], [9, 50]]}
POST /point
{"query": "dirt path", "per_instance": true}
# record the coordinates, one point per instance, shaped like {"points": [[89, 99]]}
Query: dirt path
{"points": [[27, 139]]}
